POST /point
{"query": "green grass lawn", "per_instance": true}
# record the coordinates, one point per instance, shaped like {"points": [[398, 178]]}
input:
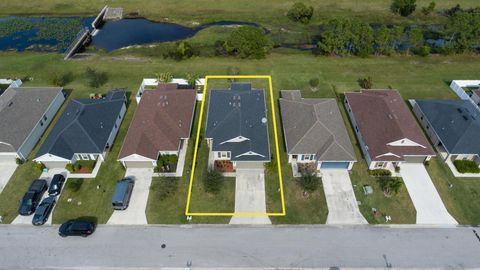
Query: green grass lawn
{"points": [[460, 195], [191, 12]]}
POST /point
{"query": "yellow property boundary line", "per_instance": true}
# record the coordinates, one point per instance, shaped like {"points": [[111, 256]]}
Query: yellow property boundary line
{"points": [[277, 152]]}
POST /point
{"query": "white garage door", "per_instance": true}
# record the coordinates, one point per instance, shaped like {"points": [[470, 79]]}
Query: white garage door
{"points": [[414, 159], [138, 164]]}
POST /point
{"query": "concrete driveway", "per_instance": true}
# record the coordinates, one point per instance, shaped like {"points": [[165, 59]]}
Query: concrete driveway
{"points": [[425, 198], [250, 196], [6, 171], [341, 201], [135, 213]]}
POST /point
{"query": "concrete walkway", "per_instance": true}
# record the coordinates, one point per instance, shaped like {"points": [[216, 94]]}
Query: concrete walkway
{"points": [[425, 198], [341, 201], [135, 213], [6, 171], [250, 196]]}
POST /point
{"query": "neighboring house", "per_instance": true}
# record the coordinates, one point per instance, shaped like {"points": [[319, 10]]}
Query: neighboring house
{"points": [[476, 96], [237, 125], [453, 127], [161, 125], [85, 131], [314, 131], [386, 129], [25, 114], [150, 83]]}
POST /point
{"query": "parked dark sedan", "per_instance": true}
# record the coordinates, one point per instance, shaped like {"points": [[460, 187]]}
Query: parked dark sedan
{"points": [[56, 185], [76, 228], [43, 211], [32, 197]]}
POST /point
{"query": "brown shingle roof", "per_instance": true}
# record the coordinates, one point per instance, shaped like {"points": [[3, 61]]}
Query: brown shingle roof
{"points": [[382, 118], [163, 117]]}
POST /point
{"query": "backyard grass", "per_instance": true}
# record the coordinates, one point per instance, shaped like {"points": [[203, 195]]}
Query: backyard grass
{"points": [[460, 195], [192, 12]]}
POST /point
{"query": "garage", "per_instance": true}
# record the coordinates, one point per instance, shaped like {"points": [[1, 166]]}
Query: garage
{"points": [[334, 165], [55, 164], [414, 159], [138, 164]]}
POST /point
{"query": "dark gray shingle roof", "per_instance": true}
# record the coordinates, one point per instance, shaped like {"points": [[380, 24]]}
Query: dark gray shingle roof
{"points": [[456, 122], [315, 126], [239, 113], [84, 126], [20, 110]]}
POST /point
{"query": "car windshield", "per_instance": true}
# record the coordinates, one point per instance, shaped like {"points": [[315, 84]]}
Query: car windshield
{"points": [[27, 201]]}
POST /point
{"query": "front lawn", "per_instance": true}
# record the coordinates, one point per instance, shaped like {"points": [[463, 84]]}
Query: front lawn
{"points": [[460, 195]]}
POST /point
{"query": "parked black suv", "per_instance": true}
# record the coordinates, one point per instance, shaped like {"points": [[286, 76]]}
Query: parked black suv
{"points": [[76, 228], [56, 185], [43, 211], [32, 197]]}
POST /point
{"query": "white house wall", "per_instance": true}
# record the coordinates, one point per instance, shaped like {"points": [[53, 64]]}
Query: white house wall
{"points": [[37, 132]]}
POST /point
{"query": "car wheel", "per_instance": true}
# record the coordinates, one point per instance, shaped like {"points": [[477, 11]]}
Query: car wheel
{"points": [[63, 235], [84, 235]]}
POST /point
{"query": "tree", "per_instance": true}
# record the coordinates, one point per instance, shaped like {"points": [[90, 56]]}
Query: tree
{"points": [[164, 77], [213, 182], [314, 82], [390, 185], [62, 79], [183, 50], [463, 29], [429, 9], [299, 12], [403, 7], [423, 51], [309, 181], [248, 42], [365, 83], [192, 79], [415, 38], [95, 78]]}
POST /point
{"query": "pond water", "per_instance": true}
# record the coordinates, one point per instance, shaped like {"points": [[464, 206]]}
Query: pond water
{"points": [[40, 34], [127, 32]]}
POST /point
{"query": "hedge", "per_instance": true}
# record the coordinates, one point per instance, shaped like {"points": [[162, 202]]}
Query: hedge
{"points": [[466, 166]]}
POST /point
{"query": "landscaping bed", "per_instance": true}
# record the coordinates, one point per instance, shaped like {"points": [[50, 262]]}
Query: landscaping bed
{"points": [[81, 167], [166, 164], [466, 166]]}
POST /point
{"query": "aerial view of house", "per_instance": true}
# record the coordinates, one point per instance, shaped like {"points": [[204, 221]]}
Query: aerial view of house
{"points": [[314, 132], [161, 126], [85, 131], [453, 127], [237, 130], [386, 129], [25, 114]]}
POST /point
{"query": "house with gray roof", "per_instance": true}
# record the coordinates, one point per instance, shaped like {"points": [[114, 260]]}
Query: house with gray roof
{"points": [[85, 131], [453, 127], [25, 114], [237, 128], [315, 132]]}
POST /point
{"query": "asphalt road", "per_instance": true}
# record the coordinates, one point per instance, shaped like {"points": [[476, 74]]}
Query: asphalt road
{"points": [[230, 246]]}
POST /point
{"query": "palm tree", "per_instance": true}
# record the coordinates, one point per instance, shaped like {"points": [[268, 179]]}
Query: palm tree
{"points": [[192, 79], [164, 77]]}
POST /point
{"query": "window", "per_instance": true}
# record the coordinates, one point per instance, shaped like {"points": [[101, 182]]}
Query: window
{"points": [[219, 154], [380, 164], [119, 117], [41, 123], [228, 154], [421, 117], [45, 117], [85, 157], [294, 156], [116, 126]]}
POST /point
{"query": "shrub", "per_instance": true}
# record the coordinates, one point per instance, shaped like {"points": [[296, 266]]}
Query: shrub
{"points": [[248, 42], [38, 166], [390, 185], [466, 166], [19, 161], [272, 165], [423, 51], [314, 83], [164, 77], [69, 167], [309, 182], [299, 12], [403, 7], [397, 169], [213, 182], [365, 83], [95, 78], [182, 51], [429, 9], [62, 79], [380, 172]]}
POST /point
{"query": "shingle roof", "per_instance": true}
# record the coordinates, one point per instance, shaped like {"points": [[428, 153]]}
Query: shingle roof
{"points": [[84, 126], [382, 118], [239, 114], [315, 126], [20, 111], [162, 118], [456, 122]]}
